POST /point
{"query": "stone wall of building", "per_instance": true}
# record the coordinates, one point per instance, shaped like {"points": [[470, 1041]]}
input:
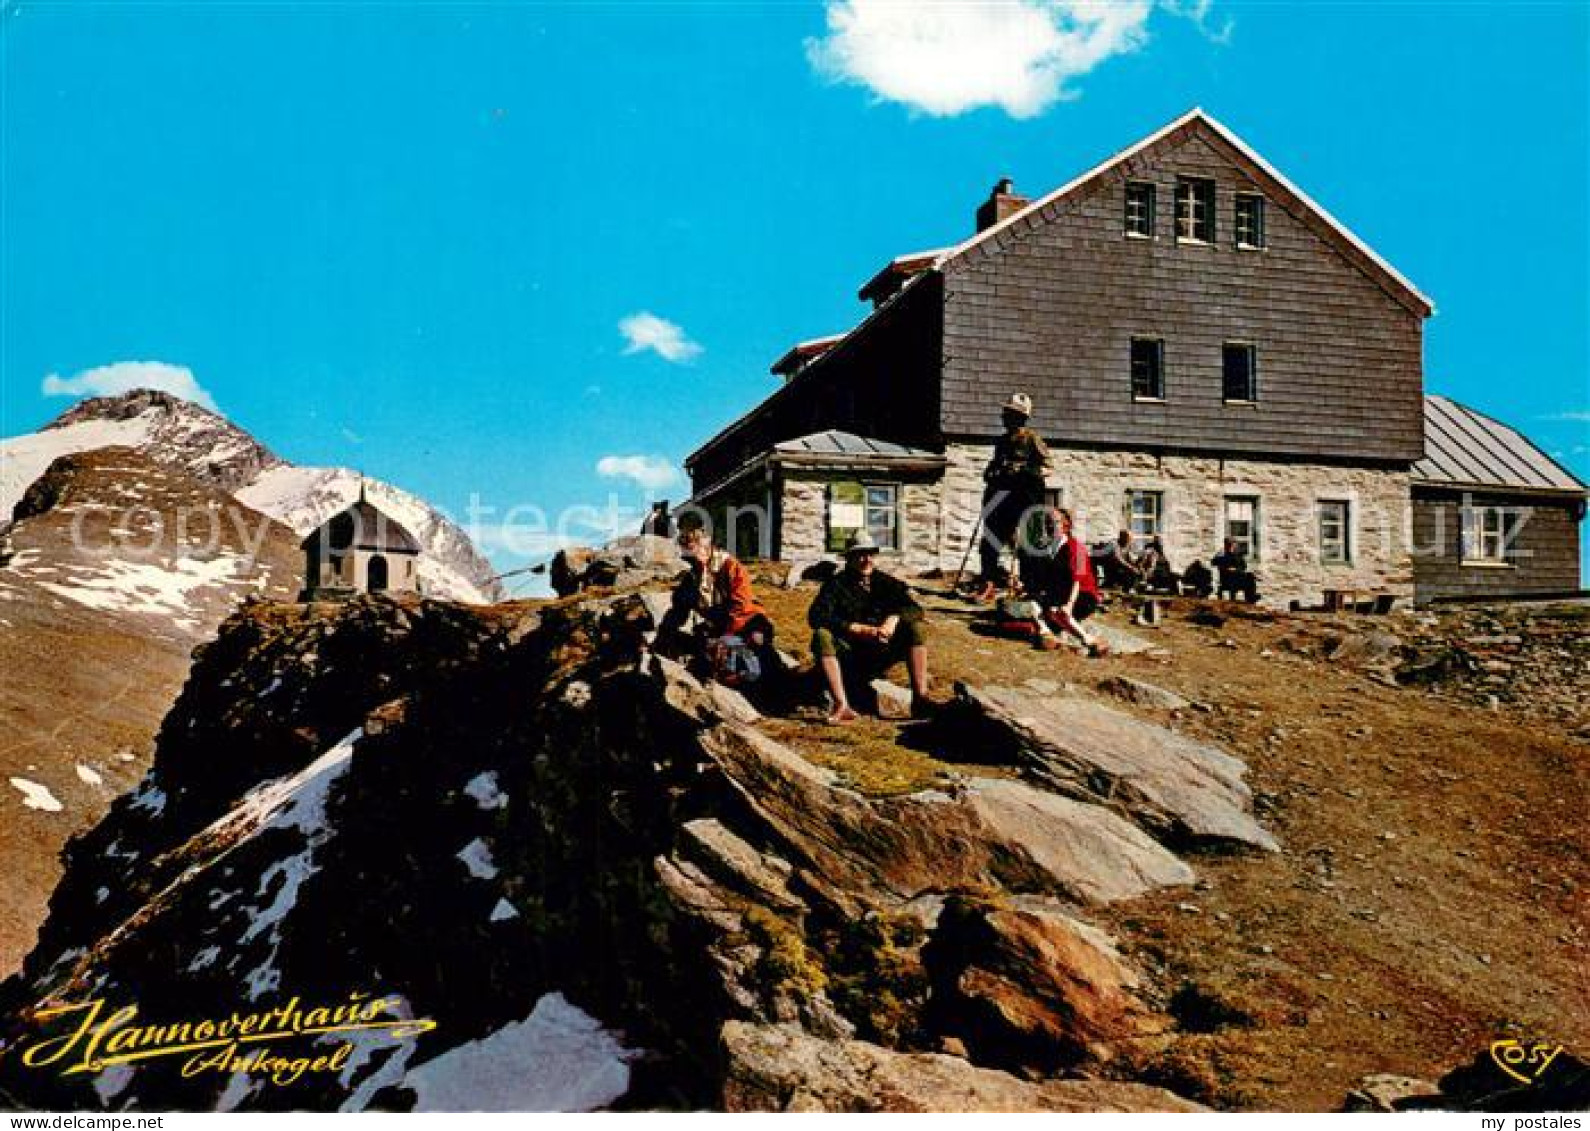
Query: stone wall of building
{"points": [[1094, 485], [803, 525]]}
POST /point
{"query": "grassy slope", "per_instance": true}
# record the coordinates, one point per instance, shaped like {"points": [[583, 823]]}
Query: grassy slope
{"points": [[1434, 892]]}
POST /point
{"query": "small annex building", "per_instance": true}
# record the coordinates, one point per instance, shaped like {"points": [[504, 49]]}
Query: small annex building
{"points": [[360, 549]]}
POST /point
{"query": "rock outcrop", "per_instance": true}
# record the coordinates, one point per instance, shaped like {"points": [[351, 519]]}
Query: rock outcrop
{"points": [[516, 824], [780, 1068], [624, 563], [1186, 792]]}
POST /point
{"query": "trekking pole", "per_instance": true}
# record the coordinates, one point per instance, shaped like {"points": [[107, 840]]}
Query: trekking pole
{"points": [[977, 528]]}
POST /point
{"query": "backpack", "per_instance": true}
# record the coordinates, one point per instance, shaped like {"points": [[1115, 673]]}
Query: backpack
{"points": [[734, 662]]}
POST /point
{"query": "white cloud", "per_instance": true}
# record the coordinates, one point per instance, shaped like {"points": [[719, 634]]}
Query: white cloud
{"points": [[646, 471], [124, 376], [645, 331], [1574, 416], [949, 58]]}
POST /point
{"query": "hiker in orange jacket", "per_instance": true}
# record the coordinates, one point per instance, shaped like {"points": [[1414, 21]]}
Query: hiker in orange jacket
{"points": [[730, 620]]}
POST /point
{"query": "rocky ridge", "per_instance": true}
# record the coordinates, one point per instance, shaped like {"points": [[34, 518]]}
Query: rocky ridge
{"points": [[497, 814]]}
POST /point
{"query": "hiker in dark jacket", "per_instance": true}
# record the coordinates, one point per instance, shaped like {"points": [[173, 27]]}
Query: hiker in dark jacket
{"points": [[1235, 578], [868, 620], [1014, 482], [1158, 577]]}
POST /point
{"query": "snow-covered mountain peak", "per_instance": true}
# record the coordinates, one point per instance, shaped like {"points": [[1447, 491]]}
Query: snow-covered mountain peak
{"points": [[181, 435]]}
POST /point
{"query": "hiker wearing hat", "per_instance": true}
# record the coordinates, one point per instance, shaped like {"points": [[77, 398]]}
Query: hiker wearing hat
{"points": [[865, 621], [1014, 482]]}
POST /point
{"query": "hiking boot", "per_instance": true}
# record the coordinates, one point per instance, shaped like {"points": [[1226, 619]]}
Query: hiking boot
{"points": [[925, 707], [1048, 644], [984, 593]]}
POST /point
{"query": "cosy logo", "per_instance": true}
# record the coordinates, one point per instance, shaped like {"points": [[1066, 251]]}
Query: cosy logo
{"points": [[98, 1037], [1525, 1063]]}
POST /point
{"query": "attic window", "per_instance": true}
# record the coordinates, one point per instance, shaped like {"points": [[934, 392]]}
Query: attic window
{"points": [[1195, 210], [1250, 221], [1140, 210], [1239, 372], [1148, 369]]}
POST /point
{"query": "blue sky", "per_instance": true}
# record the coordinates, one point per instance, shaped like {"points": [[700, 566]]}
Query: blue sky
{"points": [[404, 238]]}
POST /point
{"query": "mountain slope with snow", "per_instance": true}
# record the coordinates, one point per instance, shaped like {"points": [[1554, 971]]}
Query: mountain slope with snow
{"points": [[207, 446]]}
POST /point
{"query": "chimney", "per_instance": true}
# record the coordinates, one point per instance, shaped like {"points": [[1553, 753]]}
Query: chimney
{"points": [[1001, 202]]}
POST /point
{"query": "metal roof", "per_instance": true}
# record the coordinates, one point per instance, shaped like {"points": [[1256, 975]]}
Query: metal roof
{"points": [[1465, 447], [836, 443]]}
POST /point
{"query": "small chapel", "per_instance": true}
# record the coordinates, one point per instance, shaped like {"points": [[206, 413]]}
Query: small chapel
{"points": [[360, 549]]}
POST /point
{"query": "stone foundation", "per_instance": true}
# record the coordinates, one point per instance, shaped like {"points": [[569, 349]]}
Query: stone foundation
{"points": [[1093, 485]]}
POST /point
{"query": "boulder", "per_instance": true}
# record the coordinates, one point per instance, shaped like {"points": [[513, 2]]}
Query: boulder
{"points": [[624, 563], [729, 858], [1181, 790], [1143, 694], [1091, 853], [892, 700], [987, 832], [781, 1068], [703, 702], [1029, 987], [1384, 1092]]}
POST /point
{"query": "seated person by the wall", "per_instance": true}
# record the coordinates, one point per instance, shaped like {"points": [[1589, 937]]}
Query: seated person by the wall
{"points": [[715, 616], [863, 622], [1198, 580], [1236, 580], [1158, 577], [1117, 566]]}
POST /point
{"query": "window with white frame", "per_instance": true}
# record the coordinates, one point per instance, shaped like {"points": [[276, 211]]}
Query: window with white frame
{"points": [[1140, 209], [1195, 210], [1487, 534], [883, 514], [1242, 524], [1335, 532], [1144, 510], [1249, 221]]}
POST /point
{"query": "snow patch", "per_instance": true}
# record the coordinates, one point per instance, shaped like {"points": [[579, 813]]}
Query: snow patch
{"points": [[476, 856], [112, 1082], [88, 775], [25, 458], [163, 590], [36, 796], [149, 798], [483, 788], [239, 1088], [557, 1059], [503, 911]]}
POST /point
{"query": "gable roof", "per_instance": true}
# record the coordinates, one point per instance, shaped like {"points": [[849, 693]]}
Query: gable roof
{"points": [[1261, 170], [361, 525], [1466, 448]]}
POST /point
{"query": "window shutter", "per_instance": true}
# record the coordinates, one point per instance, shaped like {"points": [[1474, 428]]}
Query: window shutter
{"points": [[847, 513]]}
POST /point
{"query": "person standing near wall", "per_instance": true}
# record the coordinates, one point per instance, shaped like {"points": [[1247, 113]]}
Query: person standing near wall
{"points": [[1014, 482]]}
